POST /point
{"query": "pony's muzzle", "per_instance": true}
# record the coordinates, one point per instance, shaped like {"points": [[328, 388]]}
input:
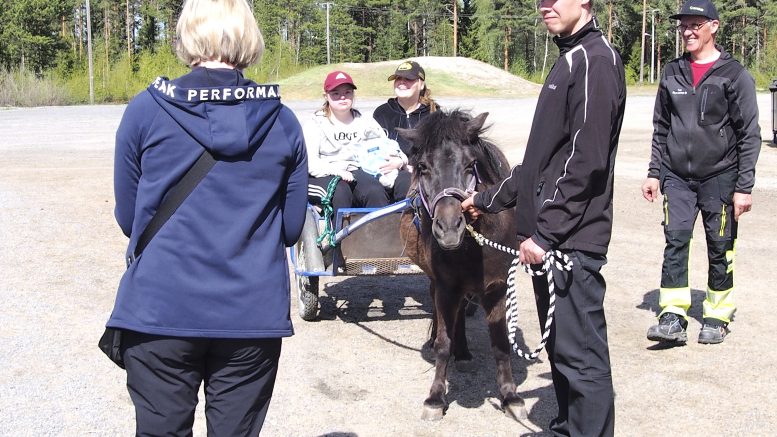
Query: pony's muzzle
{"points": [[449, 224]]}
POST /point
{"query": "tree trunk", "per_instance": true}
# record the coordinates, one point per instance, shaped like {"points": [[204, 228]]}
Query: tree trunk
{"points": [[80, 32], [677, 37], [658, 48], [545, 58], [508, 32], [455, 27], [744, 42], [609, 21], [534, 54], [658, 64], [107, 38], [642, 49], [129, 32]]}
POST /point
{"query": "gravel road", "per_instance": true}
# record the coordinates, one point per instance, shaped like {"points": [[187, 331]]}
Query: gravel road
{"points": [[361, 370]]}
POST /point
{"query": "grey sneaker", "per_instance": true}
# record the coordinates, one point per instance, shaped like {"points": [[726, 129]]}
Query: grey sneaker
{"points": [[671, 327], [713, 331]]}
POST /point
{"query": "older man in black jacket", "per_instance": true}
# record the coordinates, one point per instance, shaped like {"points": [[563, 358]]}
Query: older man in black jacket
{"points": [[706, 142]]}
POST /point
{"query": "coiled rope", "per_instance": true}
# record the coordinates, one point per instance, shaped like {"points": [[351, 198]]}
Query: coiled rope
{"points": [[552, 258], [328, 210]]}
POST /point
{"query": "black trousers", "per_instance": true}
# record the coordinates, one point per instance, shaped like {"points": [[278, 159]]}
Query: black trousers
{"points": [[683, 200], [577, 348], [364, 191], [164, 376], [401, 185]]}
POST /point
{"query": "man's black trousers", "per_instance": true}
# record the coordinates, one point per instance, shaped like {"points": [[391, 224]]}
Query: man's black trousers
{"points": [[577, 348]]}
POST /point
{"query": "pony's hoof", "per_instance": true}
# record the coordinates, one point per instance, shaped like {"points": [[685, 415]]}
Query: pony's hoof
{"points": [[432, 414], [516, 410]]}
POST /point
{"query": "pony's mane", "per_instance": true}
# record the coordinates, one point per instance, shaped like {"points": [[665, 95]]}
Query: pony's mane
{"points": [[441, 126]]}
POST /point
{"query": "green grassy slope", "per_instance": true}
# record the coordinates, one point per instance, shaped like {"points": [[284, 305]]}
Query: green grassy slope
{"points": [[444, 76]]}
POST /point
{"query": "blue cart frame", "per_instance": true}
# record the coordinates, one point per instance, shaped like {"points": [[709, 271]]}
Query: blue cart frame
{"points": [[366, 242]]}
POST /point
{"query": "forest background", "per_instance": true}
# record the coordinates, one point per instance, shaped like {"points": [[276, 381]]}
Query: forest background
{"points": [[44, 55]]}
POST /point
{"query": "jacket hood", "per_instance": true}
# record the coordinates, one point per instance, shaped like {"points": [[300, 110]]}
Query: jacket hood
{"points": [[393, 103], [226, 118], [725, 57]]}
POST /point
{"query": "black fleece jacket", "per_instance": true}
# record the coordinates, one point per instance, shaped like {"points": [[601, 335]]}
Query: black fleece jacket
{"points": [[392, 115], [702, 131], [563, 191]]}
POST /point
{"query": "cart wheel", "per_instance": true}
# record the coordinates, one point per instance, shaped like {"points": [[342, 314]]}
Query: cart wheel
{"points": [[308, 297], [307, 288]]}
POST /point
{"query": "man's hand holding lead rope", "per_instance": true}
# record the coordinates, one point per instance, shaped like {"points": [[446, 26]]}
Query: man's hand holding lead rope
{"points": [[530, 252], [468, 207]]}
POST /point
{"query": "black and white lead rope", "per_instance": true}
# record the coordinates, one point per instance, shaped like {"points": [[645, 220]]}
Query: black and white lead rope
{"points": [[551, 258]]}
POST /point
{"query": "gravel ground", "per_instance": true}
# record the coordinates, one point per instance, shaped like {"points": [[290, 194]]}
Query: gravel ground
{"points": [[361, 370]]}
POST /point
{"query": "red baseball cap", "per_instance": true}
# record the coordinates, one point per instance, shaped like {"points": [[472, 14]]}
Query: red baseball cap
{"points": [[337, 78]]}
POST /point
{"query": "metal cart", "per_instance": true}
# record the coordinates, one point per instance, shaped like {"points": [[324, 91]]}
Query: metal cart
{"points": [[366, 243]]}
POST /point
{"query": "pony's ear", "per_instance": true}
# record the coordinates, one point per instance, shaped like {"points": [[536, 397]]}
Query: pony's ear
{"points": [[475, 127], [411, 135]]}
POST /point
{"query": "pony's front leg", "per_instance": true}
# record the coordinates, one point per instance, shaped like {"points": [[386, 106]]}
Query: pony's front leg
{"points": [[461, 351], [494, 306], [435, 404]]}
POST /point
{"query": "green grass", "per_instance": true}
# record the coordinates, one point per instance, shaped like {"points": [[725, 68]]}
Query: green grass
{"points": [[372, 81], [23, 88]]}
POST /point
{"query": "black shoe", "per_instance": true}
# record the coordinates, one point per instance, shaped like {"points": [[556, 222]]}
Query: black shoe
{"points": [[713, 331], [671, 327]]}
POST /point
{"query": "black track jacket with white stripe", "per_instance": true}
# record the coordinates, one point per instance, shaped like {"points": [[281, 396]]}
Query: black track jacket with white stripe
{"points": [[564, 188]]}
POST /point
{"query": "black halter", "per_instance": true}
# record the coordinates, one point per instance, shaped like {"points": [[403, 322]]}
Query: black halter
{"points": [[449, 192]]}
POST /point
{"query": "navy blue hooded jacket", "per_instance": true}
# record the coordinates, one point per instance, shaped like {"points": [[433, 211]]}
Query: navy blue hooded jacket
{"points": [[217, 268]]}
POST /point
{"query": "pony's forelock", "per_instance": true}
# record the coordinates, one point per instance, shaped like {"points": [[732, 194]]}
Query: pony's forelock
{"points": [[441, 126]]}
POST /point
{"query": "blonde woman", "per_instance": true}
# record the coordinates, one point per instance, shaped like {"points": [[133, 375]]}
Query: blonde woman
{"points": [[207, 301], [412, 103]]}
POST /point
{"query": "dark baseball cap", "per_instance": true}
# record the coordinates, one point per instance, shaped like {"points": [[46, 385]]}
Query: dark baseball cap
{"points": [[409, 70], [337, 78], [702, 8]]}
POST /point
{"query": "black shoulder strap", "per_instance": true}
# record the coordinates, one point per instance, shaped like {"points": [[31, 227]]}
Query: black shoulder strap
{"points": [[174, 198]]}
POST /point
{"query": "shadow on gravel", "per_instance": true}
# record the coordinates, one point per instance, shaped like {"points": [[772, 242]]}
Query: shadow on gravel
{"points": [[339, 434], [544, 410], [363, 299], [650, 303]]}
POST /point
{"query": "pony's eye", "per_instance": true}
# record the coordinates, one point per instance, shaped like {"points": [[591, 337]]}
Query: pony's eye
{"points": [[422, 167]]}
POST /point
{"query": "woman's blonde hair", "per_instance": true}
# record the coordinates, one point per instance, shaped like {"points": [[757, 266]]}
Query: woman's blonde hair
{"points": [[326, 109], [218, 30], [425, 98]]}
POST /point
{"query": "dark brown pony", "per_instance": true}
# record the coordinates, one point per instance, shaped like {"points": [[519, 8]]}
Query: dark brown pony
{"points": [[450, 159]]}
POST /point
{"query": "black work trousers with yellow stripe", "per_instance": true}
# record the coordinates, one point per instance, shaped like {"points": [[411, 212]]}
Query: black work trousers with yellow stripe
{"points": [[683, 200]]}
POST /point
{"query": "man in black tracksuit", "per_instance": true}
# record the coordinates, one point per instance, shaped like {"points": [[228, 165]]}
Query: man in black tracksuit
{"points": [[706, 142], [563, 192]]}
